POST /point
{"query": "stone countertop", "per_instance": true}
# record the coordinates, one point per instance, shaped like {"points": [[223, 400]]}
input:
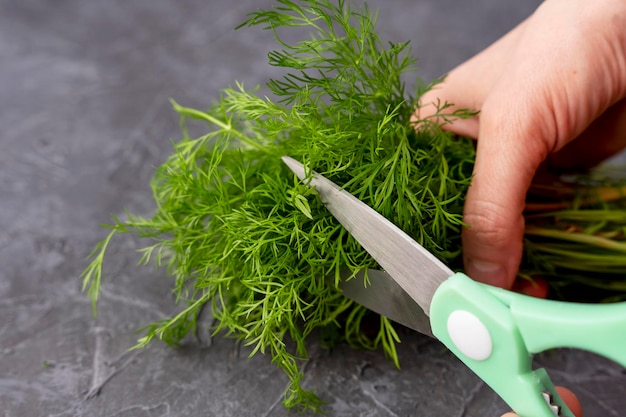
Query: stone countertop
{"points": [[84, 88]]}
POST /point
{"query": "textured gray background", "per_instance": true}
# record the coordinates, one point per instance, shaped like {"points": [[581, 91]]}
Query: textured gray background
{"points": [[84, 118]]}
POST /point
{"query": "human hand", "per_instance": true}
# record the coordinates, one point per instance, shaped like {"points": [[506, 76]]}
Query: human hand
{"points": [[569, 398], [553, 89]]}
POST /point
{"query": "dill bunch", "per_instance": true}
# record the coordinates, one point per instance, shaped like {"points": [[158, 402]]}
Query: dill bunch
{"points": [[237, 231]]}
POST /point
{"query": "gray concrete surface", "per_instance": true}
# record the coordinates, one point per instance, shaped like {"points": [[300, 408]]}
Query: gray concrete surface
{"points": [[84, 117]]}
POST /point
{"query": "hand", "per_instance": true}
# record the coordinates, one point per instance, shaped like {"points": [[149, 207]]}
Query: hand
{"points": [[569, 398], [552, 90]]}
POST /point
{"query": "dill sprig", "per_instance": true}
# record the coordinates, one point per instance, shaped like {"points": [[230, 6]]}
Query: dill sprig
{"points": [[240, 234]]}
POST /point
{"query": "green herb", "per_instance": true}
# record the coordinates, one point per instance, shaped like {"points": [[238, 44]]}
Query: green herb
{"points": [[237, 231]]}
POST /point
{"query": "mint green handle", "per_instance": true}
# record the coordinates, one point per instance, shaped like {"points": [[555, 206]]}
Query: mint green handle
{"points": [[598, 328], [514, 327]]}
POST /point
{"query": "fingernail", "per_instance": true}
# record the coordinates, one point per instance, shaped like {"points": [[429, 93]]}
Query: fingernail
{"points": [[487, 272]]}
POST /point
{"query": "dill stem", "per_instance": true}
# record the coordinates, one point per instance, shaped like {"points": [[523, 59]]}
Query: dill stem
{"points": [[227, 127], [592, 240], [600, 194]]}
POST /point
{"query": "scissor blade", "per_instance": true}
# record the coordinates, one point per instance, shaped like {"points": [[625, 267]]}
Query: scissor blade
{"points": [[417, 271], [383, 296]]}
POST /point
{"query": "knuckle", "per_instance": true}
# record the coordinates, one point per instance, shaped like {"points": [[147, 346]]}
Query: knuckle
{"points": [[492, 225]]}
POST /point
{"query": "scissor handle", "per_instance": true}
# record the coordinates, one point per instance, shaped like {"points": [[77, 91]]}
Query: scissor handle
{"points": [[495, 333], [544, 324]]}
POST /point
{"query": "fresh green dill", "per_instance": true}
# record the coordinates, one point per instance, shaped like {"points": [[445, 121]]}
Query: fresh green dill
{"points": [[237, 231]]}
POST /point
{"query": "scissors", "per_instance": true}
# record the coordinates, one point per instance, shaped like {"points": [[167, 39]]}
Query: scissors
{"points": [[493, 331]]}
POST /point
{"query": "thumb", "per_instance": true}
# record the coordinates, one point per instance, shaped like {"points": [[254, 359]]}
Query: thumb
{"points": [[508, 155]]}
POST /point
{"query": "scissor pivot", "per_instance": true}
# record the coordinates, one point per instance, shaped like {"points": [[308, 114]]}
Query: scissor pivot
{"points": [[469, 335]]}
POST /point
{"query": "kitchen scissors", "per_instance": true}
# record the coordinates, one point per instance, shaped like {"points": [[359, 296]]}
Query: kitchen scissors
{"points": [[495, 332]]}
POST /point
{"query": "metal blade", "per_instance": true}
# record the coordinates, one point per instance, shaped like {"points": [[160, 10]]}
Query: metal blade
{"points": [[383, 296], [415, 270]]}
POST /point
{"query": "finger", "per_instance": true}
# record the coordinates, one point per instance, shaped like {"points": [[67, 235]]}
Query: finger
{"points": [[467, 86], [605, 137], [568, 397], [506, 162], [571, 400], [504, 168]]}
